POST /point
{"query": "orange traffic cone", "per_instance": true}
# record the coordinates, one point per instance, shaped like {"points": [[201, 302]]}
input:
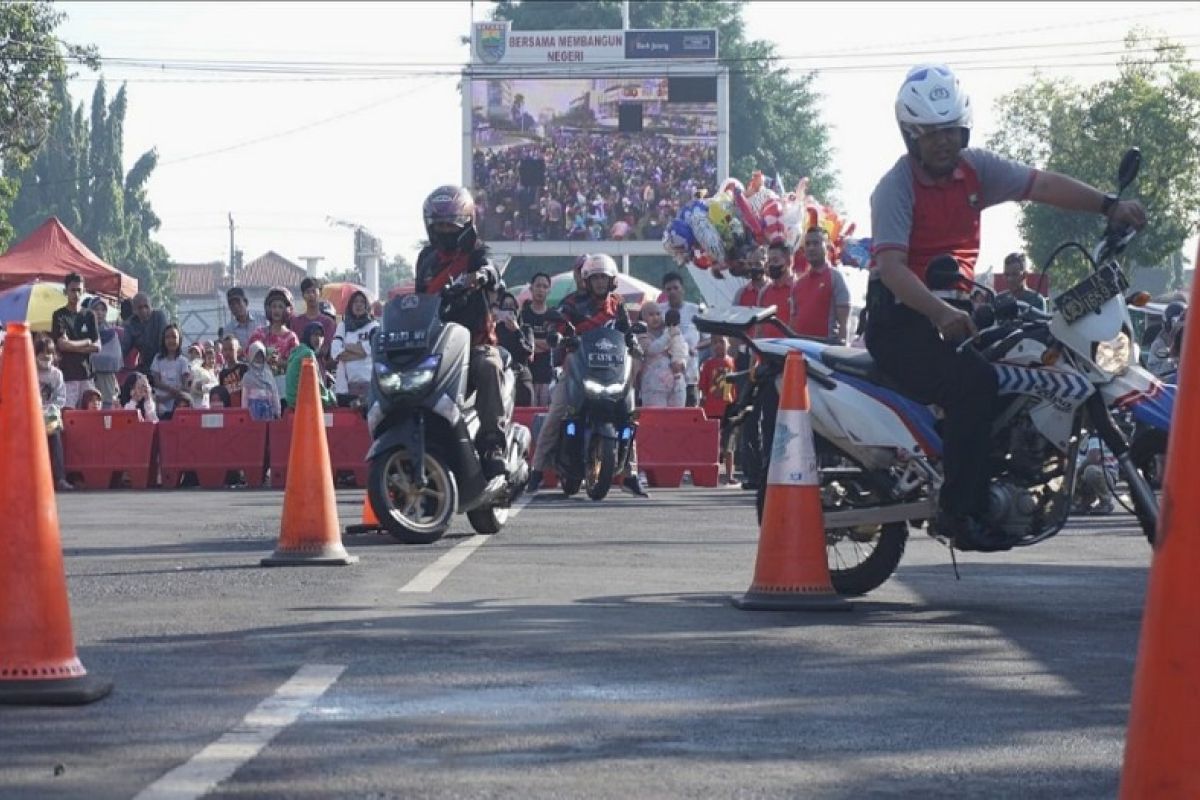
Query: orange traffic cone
{"points": [[1164, 718], [791, 571], [38, 663], [309, 533], [370, 523]]}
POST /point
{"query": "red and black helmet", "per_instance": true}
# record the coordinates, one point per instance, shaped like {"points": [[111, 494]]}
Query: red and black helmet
{"points": [[452, 205]]}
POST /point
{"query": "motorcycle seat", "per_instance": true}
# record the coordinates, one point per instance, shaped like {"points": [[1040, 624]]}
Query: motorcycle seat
{"points": [[858, 363]]}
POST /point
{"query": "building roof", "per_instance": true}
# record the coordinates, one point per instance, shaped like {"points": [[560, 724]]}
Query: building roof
{"points": [[192, 280], [270, 269]]}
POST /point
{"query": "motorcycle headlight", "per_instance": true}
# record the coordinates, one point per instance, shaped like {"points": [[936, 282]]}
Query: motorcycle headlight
{"points": [[408, 381], [597, 389], [1113, 356]]}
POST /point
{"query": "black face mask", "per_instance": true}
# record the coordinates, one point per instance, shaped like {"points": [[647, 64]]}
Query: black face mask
{"points": [[445, 240], [775, 272], [756, 273]]}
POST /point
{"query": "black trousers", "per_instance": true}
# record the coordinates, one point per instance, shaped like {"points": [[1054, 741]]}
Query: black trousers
{"points": [[908, 348]]}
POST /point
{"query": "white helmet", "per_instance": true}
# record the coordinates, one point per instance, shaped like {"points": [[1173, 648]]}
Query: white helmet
{"points": [[599, 264], [931, 98]]}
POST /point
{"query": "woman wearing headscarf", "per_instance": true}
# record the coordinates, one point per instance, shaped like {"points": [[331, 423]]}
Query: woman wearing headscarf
{"points": [[351, 349], [310, 345]]}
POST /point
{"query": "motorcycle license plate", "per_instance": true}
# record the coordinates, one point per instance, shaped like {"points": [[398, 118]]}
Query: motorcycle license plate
{"points": [[1087, 296], [609, 359]]}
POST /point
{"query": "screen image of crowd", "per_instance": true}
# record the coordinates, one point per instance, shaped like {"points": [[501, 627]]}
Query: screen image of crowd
{"points": [[590, 159], [597, 186]]}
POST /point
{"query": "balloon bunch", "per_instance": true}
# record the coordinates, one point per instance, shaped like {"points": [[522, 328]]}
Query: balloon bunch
{"points": [[721, 232]]}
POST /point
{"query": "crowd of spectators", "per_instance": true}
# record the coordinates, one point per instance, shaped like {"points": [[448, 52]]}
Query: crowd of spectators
{"points": [[597, 186], [137, 360]]}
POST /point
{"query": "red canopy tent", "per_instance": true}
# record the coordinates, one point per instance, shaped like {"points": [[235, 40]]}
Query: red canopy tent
{"points": [[51, 253]]}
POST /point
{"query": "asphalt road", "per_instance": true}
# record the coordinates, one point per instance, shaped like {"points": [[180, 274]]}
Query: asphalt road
{"points": [[589, 650]]}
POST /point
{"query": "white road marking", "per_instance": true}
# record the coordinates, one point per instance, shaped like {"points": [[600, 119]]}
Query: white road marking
{"points": [[429, 578], [204, 771]]}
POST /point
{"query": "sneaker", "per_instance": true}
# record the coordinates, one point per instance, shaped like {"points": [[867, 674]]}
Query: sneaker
{"points": [[633, 484], [65, 486], [535, 481], [749, 486], [1103, 508]]}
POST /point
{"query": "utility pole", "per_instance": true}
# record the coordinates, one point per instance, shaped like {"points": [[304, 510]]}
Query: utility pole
{"points": [[625, 14], [232, 251]]}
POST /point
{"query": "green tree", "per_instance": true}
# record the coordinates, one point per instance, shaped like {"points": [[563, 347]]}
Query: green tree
{"points": [[32, 62], [1058, 125], [78, 176], [774, 122]]}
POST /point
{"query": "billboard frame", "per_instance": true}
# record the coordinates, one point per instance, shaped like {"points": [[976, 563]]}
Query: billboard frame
{"points": [[641, 68]]}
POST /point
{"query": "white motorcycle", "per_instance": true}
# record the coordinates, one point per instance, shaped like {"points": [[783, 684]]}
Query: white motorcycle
{"points": [[880, 452]]}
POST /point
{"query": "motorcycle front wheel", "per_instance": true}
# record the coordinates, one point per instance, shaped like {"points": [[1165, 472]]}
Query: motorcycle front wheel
{"points": [[601, 464], [412, 514]]}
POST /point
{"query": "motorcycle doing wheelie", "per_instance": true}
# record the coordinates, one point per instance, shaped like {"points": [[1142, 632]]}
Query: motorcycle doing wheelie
{"points": [[599, 429], [424, 466], [879, 450]]}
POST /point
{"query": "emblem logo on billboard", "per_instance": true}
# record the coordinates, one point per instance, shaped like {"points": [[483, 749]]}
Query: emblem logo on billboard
{"points": [[604, 344], [491, 40]]}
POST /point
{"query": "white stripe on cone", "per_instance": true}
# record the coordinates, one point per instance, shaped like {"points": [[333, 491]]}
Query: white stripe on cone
{"points": [[793, 461]]}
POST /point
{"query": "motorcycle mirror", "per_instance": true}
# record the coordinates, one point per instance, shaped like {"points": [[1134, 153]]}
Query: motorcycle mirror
{"points": [[638, 327], [1131, 163], [942, 273]]}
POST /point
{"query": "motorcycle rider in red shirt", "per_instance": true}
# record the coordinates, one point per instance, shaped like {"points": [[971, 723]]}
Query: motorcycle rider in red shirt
{"points": [[595, 305], [928, 206], [454, 253]]}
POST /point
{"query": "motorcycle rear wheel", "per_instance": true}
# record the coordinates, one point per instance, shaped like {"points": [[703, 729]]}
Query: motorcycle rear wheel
{"points": [[409, 514]]}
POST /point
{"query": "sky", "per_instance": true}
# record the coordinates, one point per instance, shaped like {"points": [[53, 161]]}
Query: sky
{"points": [[319, 137]]}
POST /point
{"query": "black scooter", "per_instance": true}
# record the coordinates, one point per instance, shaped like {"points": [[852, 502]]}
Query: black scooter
{"points": [[600, 427], [424, 466]]}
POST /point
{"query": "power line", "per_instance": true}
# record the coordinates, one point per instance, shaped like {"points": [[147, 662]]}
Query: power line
{"points": [[315, 123]]}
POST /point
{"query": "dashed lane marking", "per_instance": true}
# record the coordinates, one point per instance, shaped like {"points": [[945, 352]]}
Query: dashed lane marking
{"points": [[204, 771], [431, 577]]}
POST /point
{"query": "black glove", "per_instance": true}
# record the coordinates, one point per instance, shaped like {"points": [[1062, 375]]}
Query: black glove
{"points": [[635, 347]]}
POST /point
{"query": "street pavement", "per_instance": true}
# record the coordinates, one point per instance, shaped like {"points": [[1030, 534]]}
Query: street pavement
{"points": [[589, 650]]}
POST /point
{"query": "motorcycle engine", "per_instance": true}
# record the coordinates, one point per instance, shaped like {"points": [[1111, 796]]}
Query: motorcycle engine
{"points": [[1011, 509], [1028, 451]]}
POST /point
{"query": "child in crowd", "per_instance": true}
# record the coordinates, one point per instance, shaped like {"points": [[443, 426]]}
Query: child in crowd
{"points": [[54, 397], [171, 373], [231, 382], [260, 394], [665, 361], [91, 400], [310, 345], [139, 397], [201, 380], [717, 395]]}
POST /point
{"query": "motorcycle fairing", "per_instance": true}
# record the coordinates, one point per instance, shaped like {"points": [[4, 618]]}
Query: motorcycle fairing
{"points": [[1056, 385], [867, 415], [1148, 399]]}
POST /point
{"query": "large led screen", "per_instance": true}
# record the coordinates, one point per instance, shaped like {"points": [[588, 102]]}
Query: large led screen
{"points": [[590, 159]]}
